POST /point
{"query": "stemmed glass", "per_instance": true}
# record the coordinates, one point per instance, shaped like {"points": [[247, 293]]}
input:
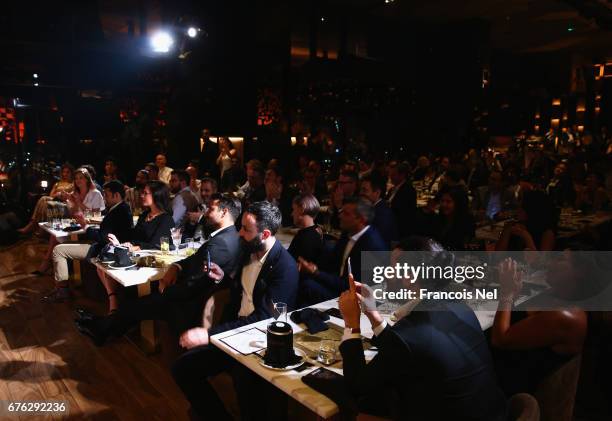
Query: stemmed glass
{"points": [[177, 235], [280, 312]]}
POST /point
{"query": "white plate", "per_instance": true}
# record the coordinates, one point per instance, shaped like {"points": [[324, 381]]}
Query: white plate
{"points": [[111, 266], [298, 352]]}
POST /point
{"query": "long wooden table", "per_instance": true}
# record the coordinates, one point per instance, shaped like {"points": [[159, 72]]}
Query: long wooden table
{"points": [[290, 381]]}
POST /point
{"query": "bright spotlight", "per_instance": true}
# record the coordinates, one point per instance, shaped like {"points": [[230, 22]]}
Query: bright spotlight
{"points": [[35, 75], [161, 42], [192, 32]]}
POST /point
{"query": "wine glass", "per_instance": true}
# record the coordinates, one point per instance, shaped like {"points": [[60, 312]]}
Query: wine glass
{"points": [[280, 312], [177, 234]]}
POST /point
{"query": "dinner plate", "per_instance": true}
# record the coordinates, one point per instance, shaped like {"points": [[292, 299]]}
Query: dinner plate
{"points": [[301, 354], [111, 266]]}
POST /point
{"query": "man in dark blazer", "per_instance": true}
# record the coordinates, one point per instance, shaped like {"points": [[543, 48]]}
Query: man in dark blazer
{"points": [[433, 364], [118, 221], [268, 274], [358, 235], [402, 198], [373, 188], [185, 285]]}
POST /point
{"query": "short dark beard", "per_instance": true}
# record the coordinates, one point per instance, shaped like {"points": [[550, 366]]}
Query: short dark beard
{"points": [[253, 246]]}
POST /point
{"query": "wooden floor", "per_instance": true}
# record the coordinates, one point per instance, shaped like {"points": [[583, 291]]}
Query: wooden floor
{"points": [[42, 355]]}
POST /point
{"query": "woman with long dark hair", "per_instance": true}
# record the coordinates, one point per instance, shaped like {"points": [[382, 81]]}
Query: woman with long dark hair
{"points": [[535, 226], [454, 225], [152, 224]]}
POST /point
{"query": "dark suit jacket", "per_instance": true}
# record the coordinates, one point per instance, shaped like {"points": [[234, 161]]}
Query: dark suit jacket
{"points": [[118, 221], [437, 364], [330, 275], [224, 250], [277, 282], [403, 206], [385, 223]]}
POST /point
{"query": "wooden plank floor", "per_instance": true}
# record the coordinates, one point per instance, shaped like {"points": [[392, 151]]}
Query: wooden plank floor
{"points": [[42, 355]]}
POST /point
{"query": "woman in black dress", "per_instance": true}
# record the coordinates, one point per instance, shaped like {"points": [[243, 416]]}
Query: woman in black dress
{"points": [[454, 225], [308, 242], [152, 224]]}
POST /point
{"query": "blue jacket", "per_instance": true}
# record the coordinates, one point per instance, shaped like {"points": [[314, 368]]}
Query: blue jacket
{"points": [[277, 282]]}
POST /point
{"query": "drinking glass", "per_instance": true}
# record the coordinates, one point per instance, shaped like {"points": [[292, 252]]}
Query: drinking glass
{"points": [[190, 246], [164, 244], [327, 352], [176, 238], [280, 311]]}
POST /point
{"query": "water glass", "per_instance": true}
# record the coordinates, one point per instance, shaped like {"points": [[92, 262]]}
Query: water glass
{"points": [[190, 246], [164, 244], [280, 311], [176, 238], [327, 352]]}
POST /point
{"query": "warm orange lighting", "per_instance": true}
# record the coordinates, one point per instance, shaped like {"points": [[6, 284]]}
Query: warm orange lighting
{"points": [[554, 122], [556, 102], [581, 128], [598, 97], [536, 128], [565, 117], [580, 109], [537, 116]]}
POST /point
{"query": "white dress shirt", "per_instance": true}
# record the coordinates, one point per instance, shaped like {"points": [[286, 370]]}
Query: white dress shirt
{"points": [[250, 272], [349, 246]]}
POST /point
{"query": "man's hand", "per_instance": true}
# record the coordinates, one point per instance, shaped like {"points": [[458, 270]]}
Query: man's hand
{"points": [[215, 273], [169, 278], [304, 266], [197, 336], [80, 218], [349, 305], [113, 239]]}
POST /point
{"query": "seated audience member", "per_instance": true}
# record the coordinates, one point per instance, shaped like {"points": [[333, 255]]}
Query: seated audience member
{"points": [[308, 184], [195, 219], [279, 194], [118, 220], [402, 197], [373, 188], [185, 285], [92, 173], [308, 242], [422, 169], [56, 199], [435, 356], [233, 178], [454, 225], [194, 181], [153, 171], [561, 188], [592, 197], [184, 200], [494, 201], [346, 186], [111, 170], [133, 195], [442, 167], [357, 236], [152, 224], [267, 274], [253, 190], [535, 226], [163, 172], [85, 197], [530, 345]]}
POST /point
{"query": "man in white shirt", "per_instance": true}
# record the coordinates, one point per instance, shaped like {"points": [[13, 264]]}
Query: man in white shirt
{"points": [[268, 275], [184, 200], [163, 172]]}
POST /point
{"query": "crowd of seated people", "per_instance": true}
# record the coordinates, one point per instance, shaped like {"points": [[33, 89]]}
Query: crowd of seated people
{"points": [[370, 205]]}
